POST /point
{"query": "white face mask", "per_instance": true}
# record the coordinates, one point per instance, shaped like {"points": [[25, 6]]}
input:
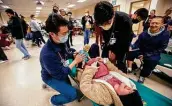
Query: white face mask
{"points": [[63, 39], [107, 27]]}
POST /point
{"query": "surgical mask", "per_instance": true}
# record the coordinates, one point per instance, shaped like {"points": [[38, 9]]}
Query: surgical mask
{"points": [[135, 21], [107, 27], [63, 39]]}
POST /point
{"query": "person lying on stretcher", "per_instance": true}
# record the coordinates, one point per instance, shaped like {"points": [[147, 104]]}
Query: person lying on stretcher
{"points": [[104, 84]]}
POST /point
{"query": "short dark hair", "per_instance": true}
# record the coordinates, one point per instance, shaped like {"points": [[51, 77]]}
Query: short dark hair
{"points": [[160, 17], [10, 11], [54, 22], [154, 10], [142, 12], [32, 15], [103, 12], [69, 13]]}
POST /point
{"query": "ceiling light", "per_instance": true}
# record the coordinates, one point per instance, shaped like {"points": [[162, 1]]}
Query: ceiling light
{"points": [[71, 5], [4, 6], [37, 11], [80, 1], [38, 8], [38, 2], [141, 5]]}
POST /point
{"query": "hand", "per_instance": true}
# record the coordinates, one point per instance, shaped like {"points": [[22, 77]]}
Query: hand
{"points": [[123, 89], [140, 57], [112, 56], [99, 59], [74, 54], [79, 58]]}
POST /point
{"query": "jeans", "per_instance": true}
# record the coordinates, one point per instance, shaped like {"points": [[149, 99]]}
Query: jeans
{"points": [[67, 92], [20, 45], [86, 36], [148, 67]]}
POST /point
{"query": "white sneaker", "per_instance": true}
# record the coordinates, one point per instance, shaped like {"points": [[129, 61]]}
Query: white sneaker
{"points": [[2, 62]]}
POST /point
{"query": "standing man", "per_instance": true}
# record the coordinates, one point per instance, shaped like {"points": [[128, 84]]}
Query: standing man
{"points": [[70, 26], [24, 25], [15, 26], [117, 32], [36, 31], [146, 23], [87, 22], [151, 44]]}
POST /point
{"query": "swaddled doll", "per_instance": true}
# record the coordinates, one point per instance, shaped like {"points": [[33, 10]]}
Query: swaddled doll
{"points": [[104, 84], [85, 50]]}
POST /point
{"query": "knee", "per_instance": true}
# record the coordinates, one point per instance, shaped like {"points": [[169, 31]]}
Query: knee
{"points": [[72, 95]]}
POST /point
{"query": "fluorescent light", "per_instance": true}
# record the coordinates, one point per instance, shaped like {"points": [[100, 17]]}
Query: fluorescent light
{"points": [[4, 6], [80, 1], [38, 8], [141, 5], [37, 11], [65, 9], [71, 5]]}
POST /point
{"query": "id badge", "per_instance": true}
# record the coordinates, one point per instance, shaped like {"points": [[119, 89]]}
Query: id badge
{"points": [[65, 63], [112, 41]]}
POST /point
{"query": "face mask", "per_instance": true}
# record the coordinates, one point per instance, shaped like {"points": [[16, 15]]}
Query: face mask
{"points": [[107, 27], [135, 21], [55, 11], [63, 39]]}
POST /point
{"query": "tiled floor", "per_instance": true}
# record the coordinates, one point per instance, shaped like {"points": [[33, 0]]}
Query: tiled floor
{"points": [[20, 80]]}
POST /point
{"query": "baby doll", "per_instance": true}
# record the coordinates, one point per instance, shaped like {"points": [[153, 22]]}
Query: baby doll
{"points": [[85, 50]]}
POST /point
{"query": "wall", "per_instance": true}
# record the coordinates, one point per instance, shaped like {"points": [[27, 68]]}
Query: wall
{"points": [[79, 13]]}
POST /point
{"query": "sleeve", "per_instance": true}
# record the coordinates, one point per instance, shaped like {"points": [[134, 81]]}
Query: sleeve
{"points": [[91, 21], [162, 46], [54, 67], [83, 21], [138, 42], [16, 22], [35, 24], [94, 90]]}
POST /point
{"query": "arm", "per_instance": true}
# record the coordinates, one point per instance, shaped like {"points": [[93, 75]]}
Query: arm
{"points": [[55, 67], [97, 92], [162, 46], [91, 21]]}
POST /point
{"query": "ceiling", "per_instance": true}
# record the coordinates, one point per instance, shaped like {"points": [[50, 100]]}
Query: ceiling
{"points": [[28, 7]]}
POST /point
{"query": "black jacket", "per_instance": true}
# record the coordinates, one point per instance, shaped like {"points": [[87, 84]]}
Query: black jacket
{"points": [[122, 29], [84, 21], [15, 27]]}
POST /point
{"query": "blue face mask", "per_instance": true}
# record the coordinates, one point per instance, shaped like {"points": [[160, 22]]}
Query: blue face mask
{"points": [[63, 39]]}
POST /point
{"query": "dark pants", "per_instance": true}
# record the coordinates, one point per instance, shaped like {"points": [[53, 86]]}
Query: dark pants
{"points": [[120, 58], [3, 57], [70, 39], [148, 67], [38, 38], [67, 92]]}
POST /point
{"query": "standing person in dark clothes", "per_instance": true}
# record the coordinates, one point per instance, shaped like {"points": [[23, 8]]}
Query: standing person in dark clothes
{"points": [[16, 29], [167, 18], [146, 23], [24, 25], [151, 44], [70, 26], [3, 57], [117, 32], [87, 22]]}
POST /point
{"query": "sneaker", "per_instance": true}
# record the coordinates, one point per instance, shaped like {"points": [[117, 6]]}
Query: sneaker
{"points": [[2, 62], [141, 79], [27, 57], [129, 70]]}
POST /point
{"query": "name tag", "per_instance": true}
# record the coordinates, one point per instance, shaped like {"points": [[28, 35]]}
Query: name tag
{"points": [[112, 41]]}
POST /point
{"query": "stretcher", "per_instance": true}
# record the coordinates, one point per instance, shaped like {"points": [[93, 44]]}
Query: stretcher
{"points": [[150, 97]]}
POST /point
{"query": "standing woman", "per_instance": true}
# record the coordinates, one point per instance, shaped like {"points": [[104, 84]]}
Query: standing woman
{"points": [[54, 61]]}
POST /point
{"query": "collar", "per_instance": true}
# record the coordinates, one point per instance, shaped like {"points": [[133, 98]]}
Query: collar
{"points": [[55, 47], [156, 34]]}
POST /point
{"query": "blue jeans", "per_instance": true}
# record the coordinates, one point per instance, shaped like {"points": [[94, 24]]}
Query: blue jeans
{"points": [[67, 92], [20, 45], [86, 36]]}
